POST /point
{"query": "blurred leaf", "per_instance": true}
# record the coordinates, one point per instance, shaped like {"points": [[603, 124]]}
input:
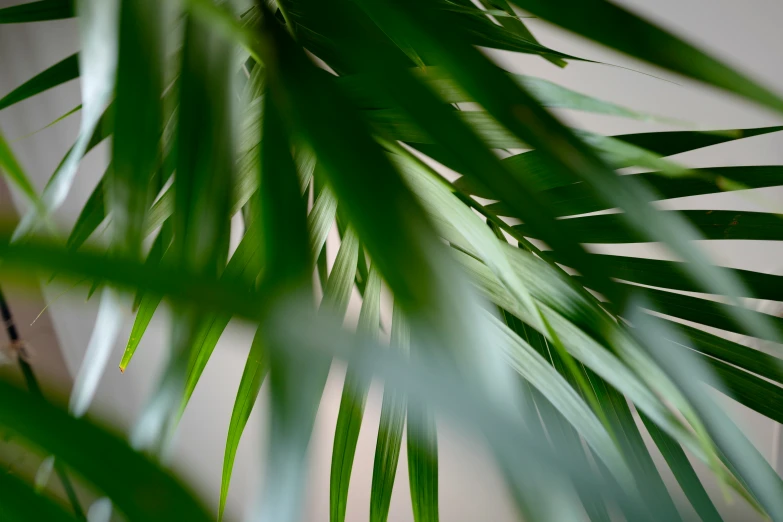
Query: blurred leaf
{"points": [[100, 511], [104, 334], [296, 384], [97, 65], [253, 375], [201, 219], [21, 502], [615, 27], [549, 94], [63, 71], [691, 375], [137, 120], [387, 446], [43, 473], [38, 11], [141, 492], [349, 418], [321, 218]]}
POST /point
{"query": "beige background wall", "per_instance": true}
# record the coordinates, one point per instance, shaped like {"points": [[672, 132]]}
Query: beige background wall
{"points": [[747, 34]]}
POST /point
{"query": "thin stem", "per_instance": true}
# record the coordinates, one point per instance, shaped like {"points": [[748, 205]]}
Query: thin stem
{"points": [[35, 390]]}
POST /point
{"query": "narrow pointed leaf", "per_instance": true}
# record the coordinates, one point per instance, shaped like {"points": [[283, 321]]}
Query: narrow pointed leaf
{"points": [[683, 472], [37, 11], [349, 418], [63, 71], [13, 170], [389, 442], [97, 64], [599, 20], [253, 375]]}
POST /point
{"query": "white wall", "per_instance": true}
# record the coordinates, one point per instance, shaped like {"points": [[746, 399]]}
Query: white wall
{"points": [[745, 33]]}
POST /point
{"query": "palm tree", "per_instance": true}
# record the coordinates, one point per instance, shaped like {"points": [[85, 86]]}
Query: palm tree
{"points": [[300, 115]]}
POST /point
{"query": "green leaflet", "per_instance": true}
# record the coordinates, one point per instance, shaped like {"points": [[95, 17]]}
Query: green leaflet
{"points": [[92, 215], [14, 171], [534, 369], [461, 227], [748, 389], [691, 375], [96, 458], [387, 446], [577, 198], [244, 266], [707, 312], [253, 375], [582, 347], [146, 310], [711, 224], [648, 480], [548, 94], [354, 396], [201, 219], [321, 218], [423, 463], [296, 384], [669, 274], [97, 65], [19, 501], [63, 71], [557, 427], [600, 20], [138, 119], [145, 303], [683, 472], [38, 11], [748, 359], [426, 380]]}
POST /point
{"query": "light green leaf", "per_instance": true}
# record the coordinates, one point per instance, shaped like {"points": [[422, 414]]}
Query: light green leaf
{"points": [[253, 376], [14, 171]]}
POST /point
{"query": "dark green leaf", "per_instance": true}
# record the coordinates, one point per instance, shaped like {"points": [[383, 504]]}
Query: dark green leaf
{"points": [[141, 492], [683, 472], [59, 73], [22, 503], [713, 224], [137, 120], [38, 11], [612, 25]]}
